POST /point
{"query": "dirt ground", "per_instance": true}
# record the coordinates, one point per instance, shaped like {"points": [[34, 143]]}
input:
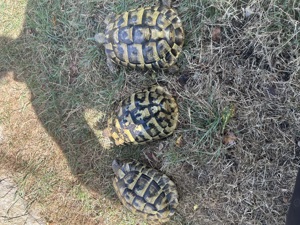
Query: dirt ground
{"points": [[13, 208]]}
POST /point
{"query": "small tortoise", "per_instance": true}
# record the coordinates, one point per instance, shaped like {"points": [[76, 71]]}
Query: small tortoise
{"points": [[148, 37], [147, 115], [145, 191]]}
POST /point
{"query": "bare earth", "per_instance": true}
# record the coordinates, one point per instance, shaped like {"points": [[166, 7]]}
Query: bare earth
{"points": [[14, 210]]}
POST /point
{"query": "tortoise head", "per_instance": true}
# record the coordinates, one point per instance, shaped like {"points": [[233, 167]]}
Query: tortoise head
{"points": [[106, 141], [93, 117], [116, 165], [100, 38]]}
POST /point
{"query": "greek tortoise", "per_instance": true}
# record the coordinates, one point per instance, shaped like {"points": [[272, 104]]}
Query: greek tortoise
{"points": [[147, 115], [145, 191], [146, 38]]}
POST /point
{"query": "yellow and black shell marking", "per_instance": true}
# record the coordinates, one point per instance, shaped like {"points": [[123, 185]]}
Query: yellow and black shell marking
{"points": [[150, 37], [147, 115], [145, 191]]}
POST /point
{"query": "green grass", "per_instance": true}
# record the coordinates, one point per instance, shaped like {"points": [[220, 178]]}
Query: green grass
{"points": [[247, 84]]}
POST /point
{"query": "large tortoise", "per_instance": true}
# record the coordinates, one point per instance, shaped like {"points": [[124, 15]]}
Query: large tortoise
{"points": [[148, 37], [145, 191]]}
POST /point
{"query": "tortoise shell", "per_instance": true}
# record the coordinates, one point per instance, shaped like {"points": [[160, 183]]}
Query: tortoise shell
{"points": [[149, 37], [145, 191], [146, 115]]}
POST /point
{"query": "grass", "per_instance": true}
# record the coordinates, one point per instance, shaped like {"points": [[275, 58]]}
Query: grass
{"points": [[239, 78]]}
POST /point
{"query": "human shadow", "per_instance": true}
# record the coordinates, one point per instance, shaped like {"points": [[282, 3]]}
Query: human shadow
{"points": [[63, 71]]}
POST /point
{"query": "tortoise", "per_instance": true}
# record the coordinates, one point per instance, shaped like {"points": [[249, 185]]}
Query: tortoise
{"points": [[146, 115], [144, 190], [146, 38]]}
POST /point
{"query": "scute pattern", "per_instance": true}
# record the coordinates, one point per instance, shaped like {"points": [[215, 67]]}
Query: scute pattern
{"points": [[150, 37], [146, 191], [150, 114]]}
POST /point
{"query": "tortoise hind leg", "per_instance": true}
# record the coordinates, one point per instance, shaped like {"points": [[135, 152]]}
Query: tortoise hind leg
{"points": [[173, 69], [167, 3], [111, 65]]}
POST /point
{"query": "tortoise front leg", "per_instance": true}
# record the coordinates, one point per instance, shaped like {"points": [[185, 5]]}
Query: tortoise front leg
{"points": [[167, 3], [109, 18]]}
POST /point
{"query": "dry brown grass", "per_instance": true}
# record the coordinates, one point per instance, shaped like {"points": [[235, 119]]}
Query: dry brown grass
{"points": [[238, 92]]}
